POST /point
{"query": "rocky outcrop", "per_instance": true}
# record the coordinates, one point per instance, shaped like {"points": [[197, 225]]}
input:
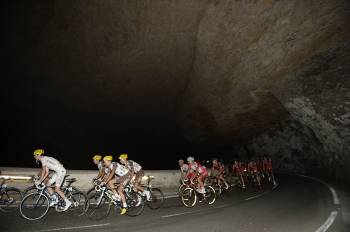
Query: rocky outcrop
{"points": [[297, 53]]}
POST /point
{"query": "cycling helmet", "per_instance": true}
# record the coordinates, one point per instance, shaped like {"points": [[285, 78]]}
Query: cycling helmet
{"points": [[108, 158], [38, 152], [123, 156], [97, 157]]}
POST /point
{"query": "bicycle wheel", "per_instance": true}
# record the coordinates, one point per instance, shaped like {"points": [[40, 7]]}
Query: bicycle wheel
{"points": [[78, 199], [90, 191], [157, 198], [136, 204], [10, 199], [210, 195], [189, 197], [181, 189], [97, 206], [34, 206]]}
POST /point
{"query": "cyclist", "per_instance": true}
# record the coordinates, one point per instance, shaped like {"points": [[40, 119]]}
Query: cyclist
{"points": [[253, 171], [97, 159], [238, 170], [118, 174], [267, 168], [183, 169], [218, 171], [196, 169], [49, 163], [136, 172]]}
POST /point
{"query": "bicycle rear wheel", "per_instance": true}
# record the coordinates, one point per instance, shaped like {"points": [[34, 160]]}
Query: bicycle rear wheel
{"points": [[97, 207], [157, 198], [136, 204], [210, 195], [181, 189], [189, 197], [78, 199], [34, 206], [10, 199]]}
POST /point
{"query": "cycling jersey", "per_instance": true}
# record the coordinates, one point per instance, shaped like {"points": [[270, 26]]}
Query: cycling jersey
{"points": [[100, 166], [120, 169], [57, 167], [238, 169], [197, 166], [219, 169], [267, 165], [132, 165], [51, 163], [184, 168], [202, 171], [252, 167]]}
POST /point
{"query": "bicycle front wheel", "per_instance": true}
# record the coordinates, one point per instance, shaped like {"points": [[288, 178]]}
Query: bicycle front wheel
{"points": [[157, 198], [97, 206], [210, 195], [10, 199], [30, 189], [135, 203], [34, 206], [189, 197]]}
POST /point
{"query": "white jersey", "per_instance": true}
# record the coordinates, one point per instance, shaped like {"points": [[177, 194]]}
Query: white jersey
{"points": [[184, 168], [51, 164], [133, 166], [100, 166], [120, 169]]}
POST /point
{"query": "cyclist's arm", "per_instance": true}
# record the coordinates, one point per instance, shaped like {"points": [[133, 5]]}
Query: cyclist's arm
{"points": [[44, 173], [111, 174], [101, 173]]}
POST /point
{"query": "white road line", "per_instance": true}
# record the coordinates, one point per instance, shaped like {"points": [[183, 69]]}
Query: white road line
{"points": [[176, 214], [171, 196], [256, 196], [336, 200], [330, 220], [220, 206], [75, 227]]}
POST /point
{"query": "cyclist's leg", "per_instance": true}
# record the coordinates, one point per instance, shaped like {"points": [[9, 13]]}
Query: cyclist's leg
{"points": [[50, 182], [138, 178], [222, 178], [58, 184], [111, 185], [201, 183], [123, 181]]}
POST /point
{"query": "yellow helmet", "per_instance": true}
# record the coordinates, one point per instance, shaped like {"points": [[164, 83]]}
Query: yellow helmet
{"points": [[108, 157], [123, 156], [97, 157], [38, 152]]}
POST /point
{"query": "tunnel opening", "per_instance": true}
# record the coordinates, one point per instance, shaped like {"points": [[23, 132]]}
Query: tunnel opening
{"points": [[211, 77]]}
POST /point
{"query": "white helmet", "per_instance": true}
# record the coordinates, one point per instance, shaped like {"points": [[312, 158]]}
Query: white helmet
{"points": [[190, 159]]}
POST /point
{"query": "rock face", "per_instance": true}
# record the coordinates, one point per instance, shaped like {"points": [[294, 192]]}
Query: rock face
{"points": [[271, 76], [297, 54]]}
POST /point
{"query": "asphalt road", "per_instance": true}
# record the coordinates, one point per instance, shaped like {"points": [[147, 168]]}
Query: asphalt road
{"points": [[297, 204]]}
